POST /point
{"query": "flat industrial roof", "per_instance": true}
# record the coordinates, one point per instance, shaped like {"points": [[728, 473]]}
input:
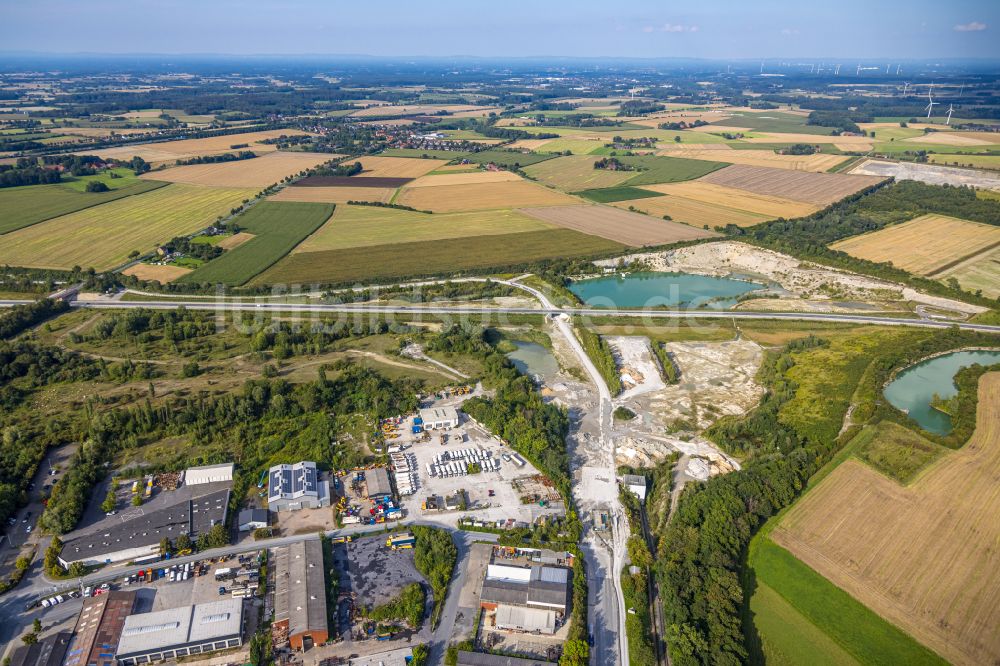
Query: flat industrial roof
{"points": [[300, 586], [434, 414], [377, 482], [196, 510], [174, 627]]}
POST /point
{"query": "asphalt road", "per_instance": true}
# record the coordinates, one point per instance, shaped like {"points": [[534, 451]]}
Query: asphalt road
{"points": [[328, 308]]}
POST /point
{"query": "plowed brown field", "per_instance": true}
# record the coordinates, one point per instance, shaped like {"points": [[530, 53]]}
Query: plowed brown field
{"points": [[822, 189], [618, 225]]}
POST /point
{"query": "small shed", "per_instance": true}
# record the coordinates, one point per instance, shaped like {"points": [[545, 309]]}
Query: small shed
{"points": [[636, 484], [253, 519]]}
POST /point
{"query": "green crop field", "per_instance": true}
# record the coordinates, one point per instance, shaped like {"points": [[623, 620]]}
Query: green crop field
{"points": [[123, 178], [31, 204], [574, 146], [865, 636], [506, 158], [438, 257], [576, 172], [103, 236], [668, 169], [977, 161], [358, 226], [277, 226], [610, 194], [788, 638], [825, 148], [772, 121], [414, 152]]}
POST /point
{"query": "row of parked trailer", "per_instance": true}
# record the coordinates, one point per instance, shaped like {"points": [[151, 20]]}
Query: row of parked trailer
{"points": [[404, 467]]}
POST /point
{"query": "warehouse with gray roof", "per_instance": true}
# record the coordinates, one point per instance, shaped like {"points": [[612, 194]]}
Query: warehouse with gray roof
{"points": [[179, 632], [137, 532], [300, 594]]}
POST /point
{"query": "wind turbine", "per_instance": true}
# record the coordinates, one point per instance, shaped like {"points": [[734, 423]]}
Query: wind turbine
{"points": [[951, 107], [906, 84], [930, 101], [858, 73], [887, 69], [836, 72], [898, 67], [761, 66]]}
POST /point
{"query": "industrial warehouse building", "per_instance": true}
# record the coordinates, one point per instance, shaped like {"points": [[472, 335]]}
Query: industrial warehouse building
{"points": [[179, 632], [377, 484], [99, 628], [300, 594], [194, 476], [529, 599], [298, 486], [135, 534], [439, 418]]}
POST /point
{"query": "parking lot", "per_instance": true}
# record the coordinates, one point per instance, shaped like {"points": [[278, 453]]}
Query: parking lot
{"points": [[492, 494]]}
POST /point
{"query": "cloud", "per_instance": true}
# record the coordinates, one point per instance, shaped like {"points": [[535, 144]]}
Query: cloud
{"points": [[672, 27], [972, 26], [789, 31]]}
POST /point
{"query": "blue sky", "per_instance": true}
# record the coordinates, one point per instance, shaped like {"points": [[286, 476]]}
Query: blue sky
{"points": [[645, 28]]}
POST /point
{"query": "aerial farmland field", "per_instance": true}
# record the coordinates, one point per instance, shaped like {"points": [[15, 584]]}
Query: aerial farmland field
{"points": [[909, 552], [575, 172], [617, 225], [481, 196], [258, 172], [334, 194], [927, 245], [24, 206], [103, 236], [693, 211], [167, 152], [766, 158], [397, 167], [730, 197], [980, 272], [436, 257], [816, 188], [358, 226], [276, 227]]}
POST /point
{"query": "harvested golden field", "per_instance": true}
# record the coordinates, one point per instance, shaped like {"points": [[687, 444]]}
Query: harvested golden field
{"points": [[957, 138], [258, 172], [102, 236], [730, 197], [926, 245], [693, 212], [334, 194], [161, 274], [575, 173], [235, 240], [170, 151], [529, 144], [764, 158], [482, 196], [671, 149], [822, 189], [365, 226], [617, 225], [923, 556], [436, 180], [397, 167]]}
